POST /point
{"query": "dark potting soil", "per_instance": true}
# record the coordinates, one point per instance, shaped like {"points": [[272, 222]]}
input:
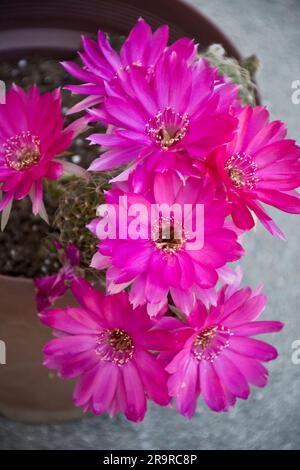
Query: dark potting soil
{"points": [[25, 248]]}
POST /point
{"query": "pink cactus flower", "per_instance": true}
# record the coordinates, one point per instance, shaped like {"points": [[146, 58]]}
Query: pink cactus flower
{"points": [[31, 137], [101, 63], [106, 344], [216, 356], [165, 121], [157, 264], [51, 288], [259, 166]]}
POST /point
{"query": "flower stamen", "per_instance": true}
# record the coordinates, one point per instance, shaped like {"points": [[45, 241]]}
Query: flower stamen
{"points": [[115, 346], [241, 170], [210, 342], [167, 235], [168, 127], [22, 151]]}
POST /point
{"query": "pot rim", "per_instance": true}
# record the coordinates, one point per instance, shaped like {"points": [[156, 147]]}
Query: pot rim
{"points": [[16, 279], [182, 17]]}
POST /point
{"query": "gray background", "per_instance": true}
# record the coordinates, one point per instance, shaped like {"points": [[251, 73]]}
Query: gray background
{"points": [[270, 418]]}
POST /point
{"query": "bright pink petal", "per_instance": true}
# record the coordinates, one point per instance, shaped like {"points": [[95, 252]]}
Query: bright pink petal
{"points": [[253, 348], [231, 377], [135, 396], [153, 377], [105, 385], [211, 388]]}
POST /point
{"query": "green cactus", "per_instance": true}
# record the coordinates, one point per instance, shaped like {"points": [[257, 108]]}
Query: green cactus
{"points": [[77, 207], [242, 74]]}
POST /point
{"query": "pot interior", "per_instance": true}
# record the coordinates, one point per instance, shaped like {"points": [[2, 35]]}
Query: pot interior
{"points": [[55, 26]]}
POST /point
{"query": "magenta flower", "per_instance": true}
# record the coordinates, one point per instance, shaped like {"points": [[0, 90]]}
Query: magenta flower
{"points": [[101, 63], [106, 343], [31, 136], [259, 166], [163, 121], [158, 263], [216, 355], [51, 288]]}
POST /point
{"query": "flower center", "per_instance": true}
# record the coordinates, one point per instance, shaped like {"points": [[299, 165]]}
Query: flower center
{"points": [[22, 151], [115, 346], [168, 235], [210, 342], [167, 127], [241, 170]]}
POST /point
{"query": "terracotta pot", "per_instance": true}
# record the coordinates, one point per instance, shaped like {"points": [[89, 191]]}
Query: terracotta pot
{"points": [[28, 391], [53, 28]]}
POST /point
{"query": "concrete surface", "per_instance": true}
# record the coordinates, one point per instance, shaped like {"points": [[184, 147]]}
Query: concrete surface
{"points": [[270, 418]]}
